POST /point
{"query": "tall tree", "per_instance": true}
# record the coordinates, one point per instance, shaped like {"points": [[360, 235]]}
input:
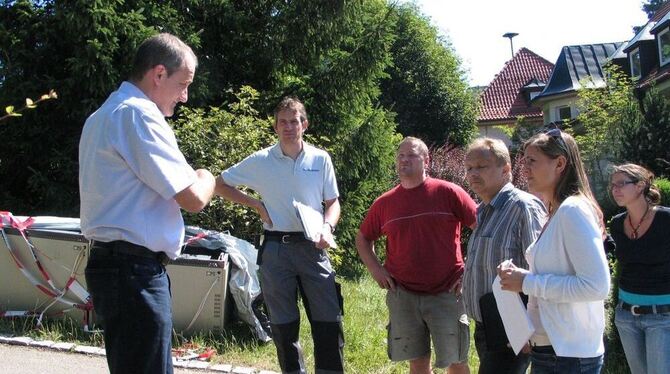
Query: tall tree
{"points": [[425, 84], [651, 6]]}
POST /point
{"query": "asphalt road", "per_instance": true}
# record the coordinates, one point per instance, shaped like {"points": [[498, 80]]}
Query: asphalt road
{"points": [[21, 359]]}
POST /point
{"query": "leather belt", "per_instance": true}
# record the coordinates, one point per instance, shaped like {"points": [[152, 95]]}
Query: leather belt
{"points": [[285, 237], [636, 310], [127, 248], [546, 349]]}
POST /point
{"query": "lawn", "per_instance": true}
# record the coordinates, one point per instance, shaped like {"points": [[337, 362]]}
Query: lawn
{"points": [[365, 319]]}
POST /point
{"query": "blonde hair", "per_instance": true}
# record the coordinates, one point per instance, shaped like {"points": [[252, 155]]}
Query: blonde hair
{"points": [[423, 148]]}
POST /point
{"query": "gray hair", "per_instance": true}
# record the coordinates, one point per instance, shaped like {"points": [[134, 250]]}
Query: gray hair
{"points": [[496, 146]]}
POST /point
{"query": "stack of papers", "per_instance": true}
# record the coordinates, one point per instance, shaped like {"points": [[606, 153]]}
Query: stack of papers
{"points": [[518, 325], [312, 222]]}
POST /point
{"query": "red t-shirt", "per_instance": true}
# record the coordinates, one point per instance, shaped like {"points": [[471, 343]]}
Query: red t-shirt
{"points": [[422, 226]]}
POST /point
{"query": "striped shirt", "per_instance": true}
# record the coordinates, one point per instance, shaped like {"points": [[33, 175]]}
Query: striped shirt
{"points": [[505, 228]]}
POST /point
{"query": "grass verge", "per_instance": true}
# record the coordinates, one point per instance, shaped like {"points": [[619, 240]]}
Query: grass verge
{"points": [[365, 320]]}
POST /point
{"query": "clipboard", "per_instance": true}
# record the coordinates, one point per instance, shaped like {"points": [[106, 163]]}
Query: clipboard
{"points": [[312, 222]]}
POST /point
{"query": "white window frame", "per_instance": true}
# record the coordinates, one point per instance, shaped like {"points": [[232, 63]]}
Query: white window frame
{"points": [[633, 73], [660, 46], [558, 112]]}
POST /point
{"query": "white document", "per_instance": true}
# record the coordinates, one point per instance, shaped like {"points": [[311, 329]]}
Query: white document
{"points": [[518, 325], [312, 222]]}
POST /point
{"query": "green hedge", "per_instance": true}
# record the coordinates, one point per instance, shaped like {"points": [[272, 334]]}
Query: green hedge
{"points": [[663, 185]]}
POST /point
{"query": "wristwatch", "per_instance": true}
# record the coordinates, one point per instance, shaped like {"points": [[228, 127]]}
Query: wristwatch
{"points": [[332, 228]]}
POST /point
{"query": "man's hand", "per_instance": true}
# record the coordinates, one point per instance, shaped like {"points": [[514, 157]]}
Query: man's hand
{"points": [[457, 287], [383, 278], [326, 239], [259, 207]]}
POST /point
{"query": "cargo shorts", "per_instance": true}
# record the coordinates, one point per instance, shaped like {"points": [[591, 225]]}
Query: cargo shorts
{"points": [[416, 319]]}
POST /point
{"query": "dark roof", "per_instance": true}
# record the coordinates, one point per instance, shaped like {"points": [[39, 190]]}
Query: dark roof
{"points": [[661, 18], [504, 98], [641, 36], [574, 64]]}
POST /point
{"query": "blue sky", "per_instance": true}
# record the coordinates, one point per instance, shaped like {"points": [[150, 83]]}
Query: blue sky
{"points": [[475, 27]]}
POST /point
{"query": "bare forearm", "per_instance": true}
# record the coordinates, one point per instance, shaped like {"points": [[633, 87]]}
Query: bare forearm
{"points": [[332, 213], [366, 251], [233, 194]]}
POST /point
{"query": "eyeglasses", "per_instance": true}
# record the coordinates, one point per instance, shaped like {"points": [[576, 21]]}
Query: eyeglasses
{"points": [[620, 185]]}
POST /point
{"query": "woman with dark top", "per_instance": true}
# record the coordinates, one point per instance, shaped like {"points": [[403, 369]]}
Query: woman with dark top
{"points": [[642, 236]]}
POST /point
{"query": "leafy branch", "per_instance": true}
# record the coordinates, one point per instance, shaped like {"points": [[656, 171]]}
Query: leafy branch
{"points": [[30, 104]]}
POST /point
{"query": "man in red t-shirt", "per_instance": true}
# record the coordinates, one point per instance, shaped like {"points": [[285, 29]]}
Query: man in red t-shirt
{"points": [[421, 219]]}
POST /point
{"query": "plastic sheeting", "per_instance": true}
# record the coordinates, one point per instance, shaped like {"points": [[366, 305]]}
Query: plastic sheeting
{"points": [[244, 285]]}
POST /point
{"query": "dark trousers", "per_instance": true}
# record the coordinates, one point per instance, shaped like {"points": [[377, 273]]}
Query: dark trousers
{"points": [[131, 297], [498, 359]]}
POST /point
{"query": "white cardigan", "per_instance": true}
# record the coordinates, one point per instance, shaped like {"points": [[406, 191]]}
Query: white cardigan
{"points": [[569, 280]]}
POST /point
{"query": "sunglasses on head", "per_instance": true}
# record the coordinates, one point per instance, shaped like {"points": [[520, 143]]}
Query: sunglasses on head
{"points": [[555, 133]]}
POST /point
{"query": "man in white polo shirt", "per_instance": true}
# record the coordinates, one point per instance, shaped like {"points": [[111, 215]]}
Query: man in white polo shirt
{"points": [[133, 180], [289, 171]]}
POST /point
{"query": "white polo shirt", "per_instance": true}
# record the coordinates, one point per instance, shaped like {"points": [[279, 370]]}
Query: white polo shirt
{"points": [[130, 169], [310, 179]]}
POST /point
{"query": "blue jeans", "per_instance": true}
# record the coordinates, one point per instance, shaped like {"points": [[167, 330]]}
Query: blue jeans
{"points": [[549, 363], [646, 341], [131, 297]]}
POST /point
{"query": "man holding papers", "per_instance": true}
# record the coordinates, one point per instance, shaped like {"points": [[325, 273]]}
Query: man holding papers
{"points": [[421, 219], [288, 173], [508, 221]]}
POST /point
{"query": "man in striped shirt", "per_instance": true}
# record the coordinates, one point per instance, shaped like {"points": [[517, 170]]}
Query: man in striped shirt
{"points": [[508, 221]]}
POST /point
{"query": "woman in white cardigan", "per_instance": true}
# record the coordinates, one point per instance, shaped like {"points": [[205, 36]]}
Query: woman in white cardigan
{"points": [[569, 278]]}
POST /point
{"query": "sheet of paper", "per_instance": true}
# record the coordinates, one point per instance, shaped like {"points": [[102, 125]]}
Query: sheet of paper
{"points": [[312, 222], [518, 325]]}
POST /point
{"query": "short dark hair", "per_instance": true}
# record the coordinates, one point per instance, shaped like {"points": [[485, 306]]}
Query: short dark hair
{"points": [[162, 49], [292, 103]]}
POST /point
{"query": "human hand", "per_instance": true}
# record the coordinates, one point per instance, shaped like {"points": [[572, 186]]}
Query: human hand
{"points": [[383, 278], [511, 277], [263, 213], [457, 287], [326, 238]]}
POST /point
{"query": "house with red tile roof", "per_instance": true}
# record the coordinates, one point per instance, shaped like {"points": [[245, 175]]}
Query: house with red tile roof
{"points": [[509, 95]]}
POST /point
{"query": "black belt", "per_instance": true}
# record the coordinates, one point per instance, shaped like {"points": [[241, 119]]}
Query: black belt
{"points": [[285, 237], [546, 349], [127, 248], [636, 310]]}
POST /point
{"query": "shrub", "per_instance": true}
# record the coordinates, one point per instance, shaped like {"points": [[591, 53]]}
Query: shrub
{"points": [[663, 185], [215, 139]]}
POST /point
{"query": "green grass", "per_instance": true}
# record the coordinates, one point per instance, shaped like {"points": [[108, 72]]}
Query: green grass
{"points": [[365, 320]]}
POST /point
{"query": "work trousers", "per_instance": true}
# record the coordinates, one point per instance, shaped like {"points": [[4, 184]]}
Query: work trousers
{"points": [[299, 267]]}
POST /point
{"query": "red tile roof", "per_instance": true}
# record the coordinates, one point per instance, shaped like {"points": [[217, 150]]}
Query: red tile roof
{"points": [[503, 99], [660, 12]]}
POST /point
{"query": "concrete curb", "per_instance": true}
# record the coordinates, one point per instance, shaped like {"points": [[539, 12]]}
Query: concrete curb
{"points": [[88, 350]]}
